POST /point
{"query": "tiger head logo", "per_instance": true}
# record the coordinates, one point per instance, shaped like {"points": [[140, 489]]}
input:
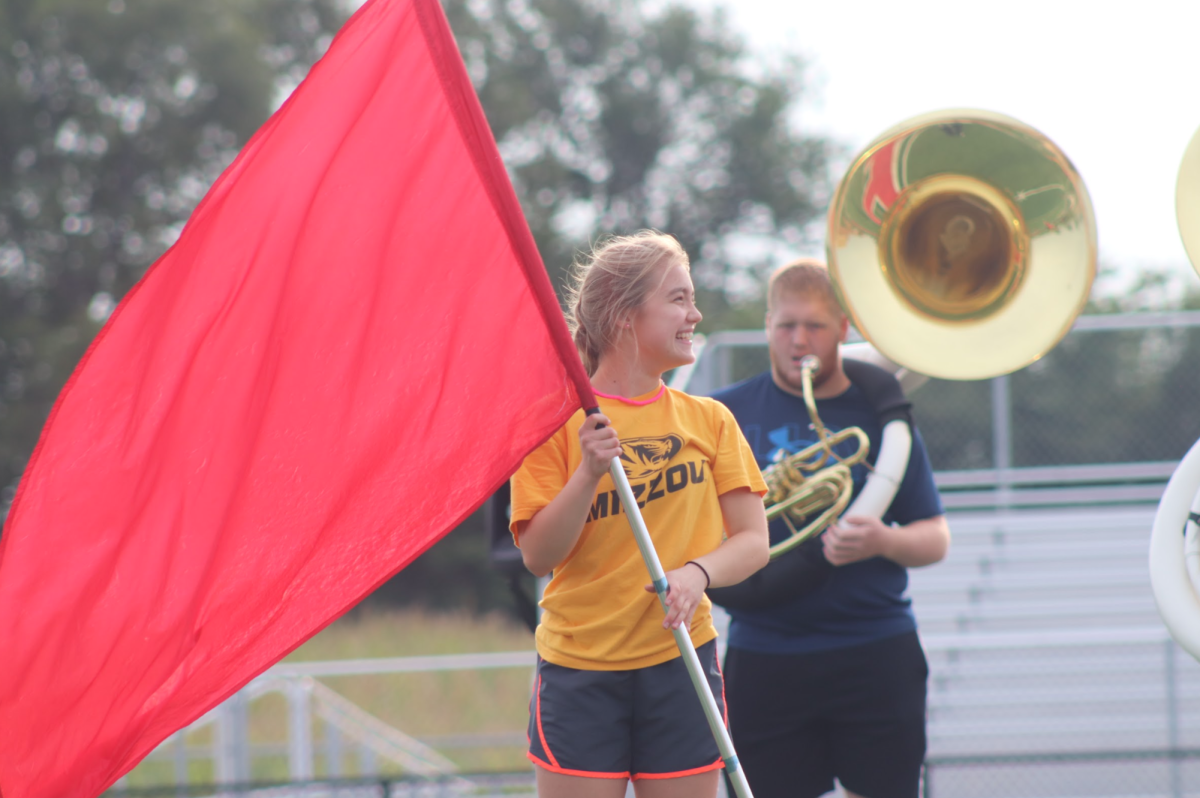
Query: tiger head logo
{"points": [[643, 458]]}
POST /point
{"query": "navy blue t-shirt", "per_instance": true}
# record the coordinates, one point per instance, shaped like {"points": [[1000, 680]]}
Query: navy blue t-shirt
{"points": [[862, 601]]}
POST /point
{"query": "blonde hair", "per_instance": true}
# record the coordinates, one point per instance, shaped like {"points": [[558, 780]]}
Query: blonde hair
{"points": [[610, 282], [806, 277]]}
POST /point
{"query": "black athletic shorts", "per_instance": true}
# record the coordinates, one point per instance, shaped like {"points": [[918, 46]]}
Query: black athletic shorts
{"points": [[646, 723], [855, 714]]}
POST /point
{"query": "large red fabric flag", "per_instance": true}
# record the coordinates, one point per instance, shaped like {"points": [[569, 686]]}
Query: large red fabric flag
{"points": [[352, 344]]}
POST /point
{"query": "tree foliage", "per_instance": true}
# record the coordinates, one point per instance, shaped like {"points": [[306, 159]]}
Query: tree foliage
{"points": [[115, 117], [611, 120]]}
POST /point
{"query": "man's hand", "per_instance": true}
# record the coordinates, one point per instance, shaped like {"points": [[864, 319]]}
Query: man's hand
{"points": [[855, 538], [913, 545]]}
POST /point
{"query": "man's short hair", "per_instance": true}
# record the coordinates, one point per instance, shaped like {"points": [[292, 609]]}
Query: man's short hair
{"points": [[806, 277]]}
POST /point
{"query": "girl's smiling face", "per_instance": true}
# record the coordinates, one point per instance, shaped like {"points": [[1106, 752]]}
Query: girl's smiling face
{"points": [[664, 323]]}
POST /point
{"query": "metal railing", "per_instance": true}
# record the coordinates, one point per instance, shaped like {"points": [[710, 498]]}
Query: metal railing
{"points": [[346, 728]]}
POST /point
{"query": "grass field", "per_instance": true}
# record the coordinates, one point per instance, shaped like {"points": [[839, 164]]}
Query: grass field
{"points": [[428, 706]]}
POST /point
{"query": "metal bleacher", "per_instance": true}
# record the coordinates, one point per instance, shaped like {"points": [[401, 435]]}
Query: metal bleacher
{"points": [[1043, 640], [1039, 570]]}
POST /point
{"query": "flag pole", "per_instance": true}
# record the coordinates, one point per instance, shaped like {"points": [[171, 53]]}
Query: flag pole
{"points": [[682, 637]]}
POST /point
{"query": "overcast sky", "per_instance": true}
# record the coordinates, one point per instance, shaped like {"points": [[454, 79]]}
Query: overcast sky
{"points": [[1115, 85]]}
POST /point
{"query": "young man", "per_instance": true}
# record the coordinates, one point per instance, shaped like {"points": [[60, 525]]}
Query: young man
{"points": [[830, 684]]}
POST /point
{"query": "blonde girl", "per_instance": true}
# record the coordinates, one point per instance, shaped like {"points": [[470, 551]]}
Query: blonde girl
{"points": [[612, 700]]}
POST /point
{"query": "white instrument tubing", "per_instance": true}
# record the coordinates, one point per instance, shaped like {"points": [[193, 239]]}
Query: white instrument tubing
{"points": [[883, 481], [1172, 560]]}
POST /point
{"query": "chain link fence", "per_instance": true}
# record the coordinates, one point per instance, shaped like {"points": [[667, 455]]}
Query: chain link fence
{"points": [[1105, 774], [1115, 390]]}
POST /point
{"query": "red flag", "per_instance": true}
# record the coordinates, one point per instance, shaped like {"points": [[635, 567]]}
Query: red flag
{"points": [[352, 344]]}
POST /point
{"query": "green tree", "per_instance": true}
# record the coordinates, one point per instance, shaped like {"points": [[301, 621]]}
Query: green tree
{"points": [[611, 119], [115, 117]]}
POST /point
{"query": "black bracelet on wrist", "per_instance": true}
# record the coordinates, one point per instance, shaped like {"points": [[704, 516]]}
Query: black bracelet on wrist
{"points": [[703, 570]]}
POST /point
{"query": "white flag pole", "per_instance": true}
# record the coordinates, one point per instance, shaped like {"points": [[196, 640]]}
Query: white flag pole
{"points": [[682, 637]]}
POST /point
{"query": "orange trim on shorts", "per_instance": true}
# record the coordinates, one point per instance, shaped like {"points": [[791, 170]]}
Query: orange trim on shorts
{"points": [[679, 774], [720, 763], [541, 734], [587, 774]]}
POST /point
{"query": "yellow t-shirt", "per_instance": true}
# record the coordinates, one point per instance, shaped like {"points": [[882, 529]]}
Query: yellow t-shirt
{"points": [[680, 452]]}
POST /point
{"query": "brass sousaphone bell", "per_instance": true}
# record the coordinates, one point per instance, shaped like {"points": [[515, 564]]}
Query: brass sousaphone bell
{"points": [[962, 244], [1187, 201]]}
